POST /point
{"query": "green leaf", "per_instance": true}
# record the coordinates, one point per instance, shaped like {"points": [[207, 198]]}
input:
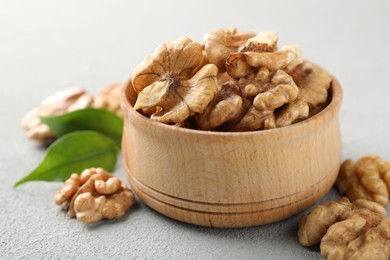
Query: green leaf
{"points": [[73, 153], [100, 120]]}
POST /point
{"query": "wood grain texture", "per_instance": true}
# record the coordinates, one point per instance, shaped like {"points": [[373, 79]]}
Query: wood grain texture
{"points": [[231, 179]]}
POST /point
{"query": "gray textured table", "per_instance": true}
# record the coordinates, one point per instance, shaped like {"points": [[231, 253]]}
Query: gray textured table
{"points": [[49, 45]]}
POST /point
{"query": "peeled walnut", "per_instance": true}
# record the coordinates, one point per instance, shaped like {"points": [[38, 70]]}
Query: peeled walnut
{"points": [[94, 195], [280, 89], [65, 101], [249, 87], [373, 245], [314, 226], [358, 230], [237, 67], [108, 99], [175, 83], [67, 192], [263, 42], [170, 79], [368, 178], [364, 234], [61, 102], [255, 83], [313, 83], [225, 107], [284, 91], [220, 43], [242, 64]]}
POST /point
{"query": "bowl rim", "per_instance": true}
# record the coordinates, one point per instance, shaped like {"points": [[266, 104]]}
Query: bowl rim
{"points": [[301, 127]]}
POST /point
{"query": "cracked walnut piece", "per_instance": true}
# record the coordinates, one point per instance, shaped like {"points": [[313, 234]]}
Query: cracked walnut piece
{"points": [[220, 43], [242, 64], [280, 90], [109, 98], [368, 178], [61, 102], [94, 195], [313, 83], [225, 107], [345, 230], [175, 80], [68, 100]]}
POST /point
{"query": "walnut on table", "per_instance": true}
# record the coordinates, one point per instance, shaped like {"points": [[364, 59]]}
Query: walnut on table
{"points": [[368, 178], [109, 98], [94, 195], [345, 230], [67, 100], [314, 226]]}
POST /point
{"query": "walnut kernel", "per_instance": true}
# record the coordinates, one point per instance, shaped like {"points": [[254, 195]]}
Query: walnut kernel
{"points": [[225, 107], [108, 99], [94, 195], [313, 83], [368, 178], [280, 89], [61, 102], [220, 43], [169, 78], [181, 82], [358, 230]]}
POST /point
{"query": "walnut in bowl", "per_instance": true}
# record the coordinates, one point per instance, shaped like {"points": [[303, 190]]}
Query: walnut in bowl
{"points": [[232, 83], [248, 170]]}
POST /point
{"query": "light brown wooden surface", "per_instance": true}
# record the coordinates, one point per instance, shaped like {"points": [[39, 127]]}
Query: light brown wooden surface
{"points": [[231, 179]]}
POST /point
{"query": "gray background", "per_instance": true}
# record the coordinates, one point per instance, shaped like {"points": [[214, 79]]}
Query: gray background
{"points": [[46, 46]]}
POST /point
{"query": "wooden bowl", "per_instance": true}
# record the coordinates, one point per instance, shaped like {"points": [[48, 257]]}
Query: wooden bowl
{"points": [[231, 179]]}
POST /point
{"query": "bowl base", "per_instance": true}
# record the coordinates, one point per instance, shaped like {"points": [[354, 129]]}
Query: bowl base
{"points": [[231, 215], [231, 179]]}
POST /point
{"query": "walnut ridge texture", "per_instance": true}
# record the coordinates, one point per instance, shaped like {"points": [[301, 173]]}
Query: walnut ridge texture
{"points": [[367, 178], [94, 195], [235, 81], [65, 101], [345, 230], [108, 98], [174, 79]]}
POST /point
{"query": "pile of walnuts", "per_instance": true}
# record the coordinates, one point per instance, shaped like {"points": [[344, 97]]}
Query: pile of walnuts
{"points": [[355, 227], [234, 81], [345, 230]]}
